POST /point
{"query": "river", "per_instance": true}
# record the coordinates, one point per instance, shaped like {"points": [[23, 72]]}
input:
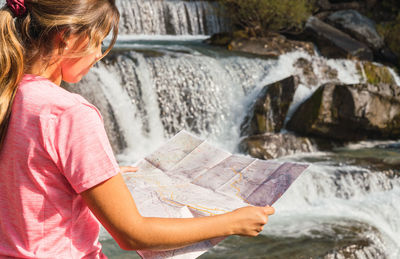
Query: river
{"points": [[150, 87]]}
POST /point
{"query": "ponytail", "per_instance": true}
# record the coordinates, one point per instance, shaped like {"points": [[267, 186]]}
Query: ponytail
{"points": [[35, 29], [11, 67]]}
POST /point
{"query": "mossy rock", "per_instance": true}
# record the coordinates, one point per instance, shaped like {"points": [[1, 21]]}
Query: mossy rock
{"points": [[240, 34], [270, 109], [220, 39], [350, 112], [377, 74]]}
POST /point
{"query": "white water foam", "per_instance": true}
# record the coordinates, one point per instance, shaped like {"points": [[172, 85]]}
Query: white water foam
{"points": [[395, 76], [314, 196], [222, 88], [138, 145]]}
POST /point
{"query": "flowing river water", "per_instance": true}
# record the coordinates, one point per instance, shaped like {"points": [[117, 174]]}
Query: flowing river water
{"points": [[151, 87]]}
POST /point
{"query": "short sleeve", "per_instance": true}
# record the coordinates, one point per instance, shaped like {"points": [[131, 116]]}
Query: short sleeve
{"points": [[84, 151]]}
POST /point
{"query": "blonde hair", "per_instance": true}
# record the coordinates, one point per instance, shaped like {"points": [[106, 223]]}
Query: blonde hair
{"points": [[31, 37]]}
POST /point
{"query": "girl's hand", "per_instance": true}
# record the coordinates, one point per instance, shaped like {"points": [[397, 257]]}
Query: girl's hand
{"points": [[250, 221], [126, 169]]}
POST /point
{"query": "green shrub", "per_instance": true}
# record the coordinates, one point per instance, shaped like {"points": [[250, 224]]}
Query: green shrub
{"points": [[260, 16], [391, 5]]}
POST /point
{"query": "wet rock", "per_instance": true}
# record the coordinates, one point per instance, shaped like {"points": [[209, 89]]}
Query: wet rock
{"points": [[307, 71], [366, 242], [392, 173], [270, 109], [357, 26], [220, 39], [378, 159], [350, 112], [274, 145], [271, 46], [375, 74], [334, 43], [362, 250], [308, 76]]}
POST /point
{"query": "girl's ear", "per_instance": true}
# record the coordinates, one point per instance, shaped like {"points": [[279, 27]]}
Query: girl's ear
{"points": [[61, 41]]}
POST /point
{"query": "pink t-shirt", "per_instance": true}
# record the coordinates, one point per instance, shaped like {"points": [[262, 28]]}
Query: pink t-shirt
{"points": [[55, 148]]}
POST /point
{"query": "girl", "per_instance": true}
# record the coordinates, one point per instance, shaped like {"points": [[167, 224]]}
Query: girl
{"points": [[57, 168]]}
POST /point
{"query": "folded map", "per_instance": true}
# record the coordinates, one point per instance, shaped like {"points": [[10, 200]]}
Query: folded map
{"points": [[188, 177]]}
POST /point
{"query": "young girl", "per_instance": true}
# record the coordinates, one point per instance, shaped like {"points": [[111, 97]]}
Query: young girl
{"points": [[57, 169]]}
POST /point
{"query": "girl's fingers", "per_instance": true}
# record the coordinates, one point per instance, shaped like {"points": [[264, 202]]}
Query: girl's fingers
{"points": [[269, 210], [126, 169]]}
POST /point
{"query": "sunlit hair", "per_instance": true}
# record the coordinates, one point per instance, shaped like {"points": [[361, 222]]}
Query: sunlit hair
{"points": [[46, 24]]}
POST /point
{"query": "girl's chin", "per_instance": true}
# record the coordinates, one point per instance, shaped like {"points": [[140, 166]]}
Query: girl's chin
{"points": [[76, 78], [73, 80]]}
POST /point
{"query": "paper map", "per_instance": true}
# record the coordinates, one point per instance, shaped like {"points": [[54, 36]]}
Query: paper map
{"points": [[188, 177]]}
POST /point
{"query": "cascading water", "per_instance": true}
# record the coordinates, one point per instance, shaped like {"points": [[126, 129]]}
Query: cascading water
{"points": [[156, 89], [159, 17], [206, 93]]}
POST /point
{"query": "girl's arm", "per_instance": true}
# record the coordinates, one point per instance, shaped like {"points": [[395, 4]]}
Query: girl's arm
{"points": [[112, 203]]}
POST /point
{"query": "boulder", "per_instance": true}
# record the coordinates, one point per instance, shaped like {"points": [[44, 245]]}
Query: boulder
{"points": [[269, 112], [357, 26], [350, 112], [375, 74], [334, 43], [363, 249], [274, 145], [308, 70], [271, 46]]}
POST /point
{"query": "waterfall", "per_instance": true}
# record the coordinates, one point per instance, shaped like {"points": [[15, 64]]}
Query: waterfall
{"points": [[174, 91], [170, 89], [157, 17], [340, 194], [155, 90], [168, 17]]}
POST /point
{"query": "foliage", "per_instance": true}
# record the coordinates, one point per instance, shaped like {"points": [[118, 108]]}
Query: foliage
{"points": [[259, 16], [391, 5]]}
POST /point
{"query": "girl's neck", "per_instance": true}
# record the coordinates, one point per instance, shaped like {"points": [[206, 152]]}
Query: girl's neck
{"points": [[51, 72]]}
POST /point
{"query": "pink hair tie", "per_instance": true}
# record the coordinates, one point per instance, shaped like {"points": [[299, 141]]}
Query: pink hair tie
{"points": [[17, 7]]}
